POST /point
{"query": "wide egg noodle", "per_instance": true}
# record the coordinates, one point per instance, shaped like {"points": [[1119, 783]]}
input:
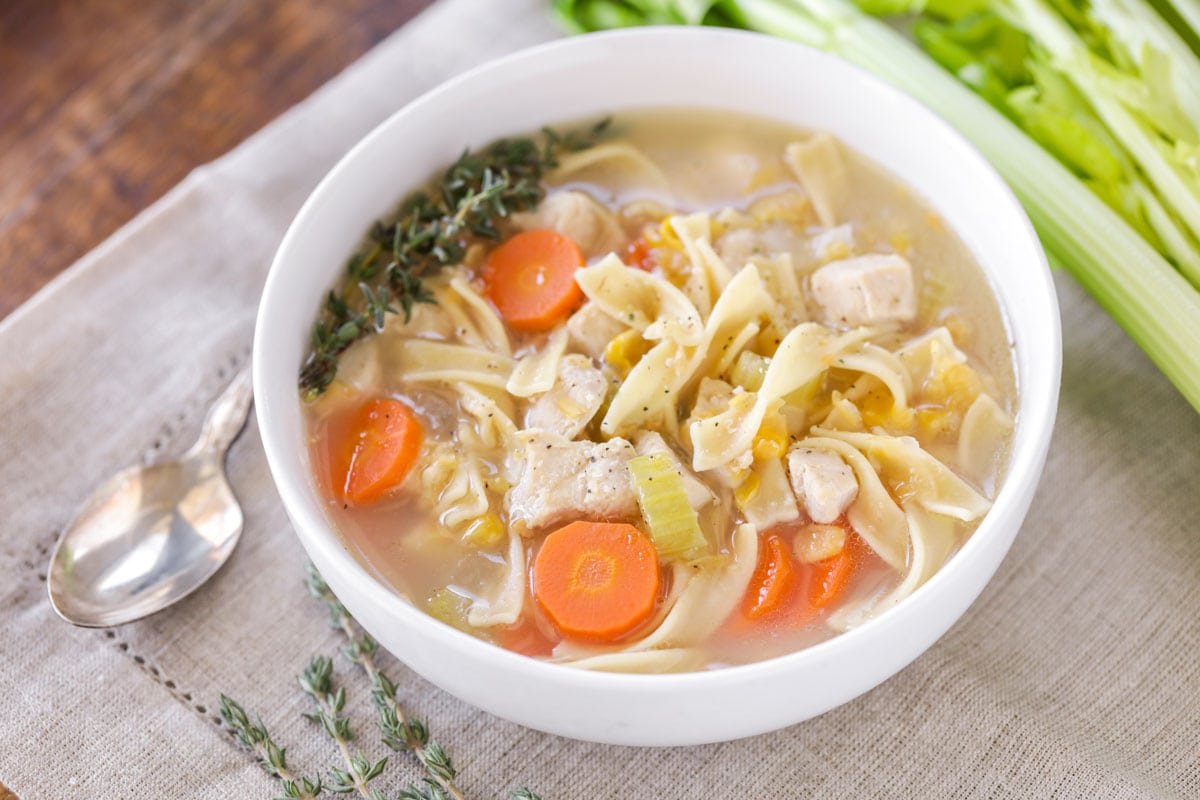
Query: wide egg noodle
{"points": [[817, 163], [871, 359], [936, 486], [536, 372], [779, 275], [806, 352], [732, 348], [671, 659], [648, 396], [933, 538], [465, 497], [642, 301], [694, 231], [926, 355], [505, 606], [598, 165], [744, 301], [985, 429], [873, 514], [774, 502], [425, 361], [488, 327]]}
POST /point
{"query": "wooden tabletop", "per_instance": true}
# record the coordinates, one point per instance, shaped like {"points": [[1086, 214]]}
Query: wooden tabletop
{"points": [[105, 106]]}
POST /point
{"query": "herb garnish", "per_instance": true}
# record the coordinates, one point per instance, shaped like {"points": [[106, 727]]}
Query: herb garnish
{"points": [[398, 730], [432, 228]]}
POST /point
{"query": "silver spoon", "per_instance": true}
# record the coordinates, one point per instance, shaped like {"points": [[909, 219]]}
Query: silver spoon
{"points": [[152, 535]]}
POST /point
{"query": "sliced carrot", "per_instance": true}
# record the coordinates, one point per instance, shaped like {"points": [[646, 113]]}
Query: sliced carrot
{"points": [[531, 279], [774, 580], [638, 254], [828, 579], [596, 580], [371, 448]]}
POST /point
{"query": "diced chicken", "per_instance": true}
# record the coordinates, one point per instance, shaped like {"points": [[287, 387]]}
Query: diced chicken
{"points": [[741, 245], [573, 400], [824, 485], [698, 495], [563, 480], [737, 247], [865, 290], [575, 215], [591, 329]]}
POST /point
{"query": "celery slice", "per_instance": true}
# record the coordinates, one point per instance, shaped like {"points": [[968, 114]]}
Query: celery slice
{"points": [[749, 370], [672, 521]]}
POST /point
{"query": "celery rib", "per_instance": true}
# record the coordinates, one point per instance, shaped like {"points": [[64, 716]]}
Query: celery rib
{"points": [[674, 527]]}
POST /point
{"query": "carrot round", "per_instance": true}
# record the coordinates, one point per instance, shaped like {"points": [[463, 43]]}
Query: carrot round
{"points": [[638, 254], [596, 580], [828, 578], [372, 448], [774, 580], [531, 279]]}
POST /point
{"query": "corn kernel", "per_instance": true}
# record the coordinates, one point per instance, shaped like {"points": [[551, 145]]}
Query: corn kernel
{"points": [[747, 490], [484, 532], [626, 350], [772, 440]]}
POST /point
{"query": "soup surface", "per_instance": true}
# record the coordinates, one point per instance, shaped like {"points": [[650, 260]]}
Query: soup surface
{"points": [[722, 390]]}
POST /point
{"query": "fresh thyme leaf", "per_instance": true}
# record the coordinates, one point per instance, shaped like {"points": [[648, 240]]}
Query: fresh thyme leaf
{"points": [[399, 731], [272, 757], [431, 229]]}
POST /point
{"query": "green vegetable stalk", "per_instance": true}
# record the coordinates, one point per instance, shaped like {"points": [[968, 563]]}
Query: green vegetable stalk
{"points": [[1088, 110]]}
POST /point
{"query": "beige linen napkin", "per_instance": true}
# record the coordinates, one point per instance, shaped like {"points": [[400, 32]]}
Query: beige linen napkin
{"points": [[1075, 675]]}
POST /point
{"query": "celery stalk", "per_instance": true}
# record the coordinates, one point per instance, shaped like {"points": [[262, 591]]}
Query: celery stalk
{"points": [[1127, 276], [672, 521]]}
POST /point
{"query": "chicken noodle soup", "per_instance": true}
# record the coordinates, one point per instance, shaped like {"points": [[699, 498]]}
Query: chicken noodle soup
{"points": [[722, 390]]}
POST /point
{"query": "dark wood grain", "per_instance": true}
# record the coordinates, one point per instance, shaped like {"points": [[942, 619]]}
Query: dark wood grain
{"points": [[104, 105]]}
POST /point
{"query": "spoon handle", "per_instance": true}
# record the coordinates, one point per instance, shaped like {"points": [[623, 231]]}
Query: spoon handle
{"points": [[227, 415]]}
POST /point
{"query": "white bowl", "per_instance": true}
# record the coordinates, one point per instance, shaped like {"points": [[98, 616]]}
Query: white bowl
{"points": [[601, 74]]}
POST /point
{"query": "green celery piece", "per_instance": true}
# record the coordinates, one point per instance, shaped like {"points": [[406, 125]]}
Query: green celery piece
{"points": [[942, 47], [1054, 114], [584, 16], [1140, 28], [954, 10], [674, 527], [1177, 188], [892, 8]]}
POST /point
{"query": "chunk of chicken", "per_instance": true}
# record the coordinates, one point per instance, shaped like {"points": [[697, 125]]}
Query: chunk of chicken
{"points": [[865, 290], [562, 480], [698, 495], [824, 485], [578, 217], [573, 400], [591, 329]]}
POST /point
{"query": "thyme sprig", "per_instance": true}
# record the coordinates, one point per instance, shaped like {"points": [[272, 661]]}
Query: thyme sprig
{"points": [[399, 731], [272, 757], [317, 682], [432, 228]]}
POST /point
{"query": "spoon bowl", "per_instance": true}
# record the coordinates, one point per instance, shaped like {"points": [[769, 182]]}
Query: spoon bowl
{"points": [[152, 535]]}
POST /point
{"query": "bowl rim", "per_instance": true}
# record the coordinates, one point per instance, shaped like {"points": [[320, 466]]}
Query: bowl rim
{"points": [[1033, 424]]}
